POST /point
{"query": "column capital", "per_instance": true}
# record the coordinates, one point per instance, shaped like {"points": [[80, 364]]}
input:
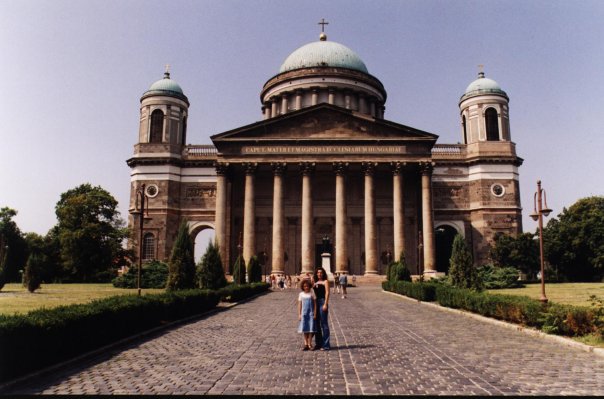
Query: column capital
{"points": [[250, 167], [397, 167], [279, 167], [426, 168], [368, 168], [340, 168], [222, 168], [307, 168]]}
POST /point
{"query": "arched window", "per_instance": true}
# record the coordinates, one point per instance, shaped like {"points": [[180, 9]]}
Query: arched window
{"points": [[148, 247], [465, 131], [492, 124], [184, 131], [157, 126]]}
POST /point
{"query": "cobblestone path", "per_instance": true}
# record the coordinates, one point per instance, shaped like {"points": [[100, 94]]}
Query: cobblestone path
{"points": [[381, 344]]}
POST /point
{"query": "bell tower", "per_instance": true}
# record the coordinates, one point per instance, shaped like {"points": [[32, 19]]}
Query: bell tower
{"points": [[163, 119]]}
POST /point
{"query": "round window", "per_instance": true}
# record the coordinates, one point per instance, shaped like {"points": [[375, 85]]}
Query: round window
{"points": [[151, 191], [498, 190]]}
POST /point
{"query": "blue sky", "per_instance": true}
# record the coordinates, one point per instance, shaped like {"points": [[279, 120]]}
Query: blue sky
{"points": [[73, 73]]}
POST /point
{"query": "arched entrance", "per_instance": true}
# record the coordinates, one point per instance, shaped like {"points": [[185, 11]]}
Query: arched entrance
{"points": [[444, 235], [202, 233]]}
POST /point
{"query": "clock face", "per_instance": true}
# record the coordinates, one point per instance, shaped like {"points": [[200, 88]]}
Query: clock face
{"points": [[151, 190], [497, 190]]}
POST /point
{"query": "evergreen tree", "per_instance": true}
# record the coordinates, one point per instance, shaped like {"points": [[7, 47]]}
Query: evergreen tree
{"points": [[3, 256], [461, 270], [254, 270], [239, 271], [210, 272], [398, 271], [32, 277], [181, 268]]}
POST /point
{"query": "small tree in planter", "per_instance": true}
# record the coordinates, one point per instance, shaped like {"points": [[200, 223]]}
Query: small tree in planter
{"points": [[254, 270], [209, 270], [181, 268], [461, 270], [32, 277], [239, 271]]}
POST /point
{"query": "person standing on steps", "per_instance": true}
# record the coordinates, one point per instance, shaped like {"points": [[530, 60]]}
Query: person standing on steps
{"points": [[321, 289]]}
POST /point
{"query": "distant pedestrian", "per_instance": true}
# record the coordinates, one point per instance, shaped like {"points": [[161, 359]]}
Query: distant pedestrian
{"points": [[336, 283], [343, 280], [307, 314]]}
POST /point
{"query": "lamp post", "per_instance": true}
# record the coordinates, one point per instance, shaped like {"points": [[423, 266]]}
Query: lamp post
{"points": [[239, 249], [140, 196], [538, 213]]}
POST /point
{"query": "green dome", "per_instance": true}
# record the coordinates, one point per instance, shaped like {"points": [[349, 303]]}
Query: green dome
{"points": [[323, 53], [483, 85], [165, 85]]}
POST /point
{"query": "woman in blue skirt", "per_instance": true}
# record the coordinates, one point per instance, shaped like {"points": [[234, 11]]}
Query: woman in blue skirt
{"points": [[307, 314]]}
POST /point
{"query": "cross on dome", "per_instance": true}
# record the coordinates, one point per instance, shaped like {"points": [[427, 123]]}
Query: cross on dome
{"points": [[323, 36]]}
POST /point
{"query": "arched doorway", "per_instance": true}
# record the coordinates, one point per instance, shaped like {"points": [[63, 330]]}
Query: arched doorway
{"points": [[444, 235], [202, 234]]}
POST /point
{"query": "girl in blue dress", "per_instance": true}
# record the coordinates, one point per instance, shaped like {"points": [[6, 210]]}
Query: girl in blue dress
{"points": [[307, 314]]}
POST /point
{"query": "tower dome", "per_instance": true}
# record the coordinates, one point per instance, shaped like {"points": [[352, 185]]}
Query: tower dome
{"points": [[166, 87], [482, 86], [323, 72]]}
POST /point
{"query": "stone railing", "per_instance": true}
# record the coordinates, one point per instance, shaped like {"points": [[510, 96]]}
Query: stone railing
{"points": [[200, 151], [449, 151]]}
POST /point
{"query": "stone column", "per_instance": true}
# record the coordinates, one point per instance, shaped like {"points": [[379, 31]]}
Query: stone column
{"points": [[362, 103], [249, 212], [298, 99], [220, 223], [273, 107], [331, 96], [314, 99], [308, 242], [398, 209], [428, 219], [341, 233], [371, 256], [283, 104], [278, 218]]}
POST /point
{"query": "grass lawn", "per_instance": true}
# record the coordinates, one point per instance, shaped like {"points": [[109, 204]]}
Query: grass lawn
{"points": [[563, 293], [14, 298]]}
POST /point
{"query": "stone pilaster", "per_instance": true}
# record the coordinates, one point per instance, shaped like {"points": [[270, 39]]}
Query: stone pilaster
{"points": [[249, 212], [428, 219], [371, 256], [220, 223], [278, 265], [398, 209], [308, 247], [340, 169]]}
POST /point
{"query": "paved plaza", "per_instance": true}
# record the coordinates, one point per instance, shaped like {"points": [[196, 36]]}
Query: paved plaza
{"points": [[381, 344]]}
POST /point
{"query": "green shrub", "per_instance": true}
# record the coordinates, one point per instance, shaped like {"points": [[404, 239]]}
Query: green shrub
{"points": [[210, 272], [237, 292], [239, 271], [32, 277], [421, 291], [154, 274], [493, 277], [47, 336], [181, 268], [254, 270]]}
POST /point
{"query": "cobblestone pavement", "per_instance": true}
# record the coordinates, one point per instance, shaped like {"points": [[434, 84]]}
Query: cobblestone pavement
{"points": [[381, 344]]}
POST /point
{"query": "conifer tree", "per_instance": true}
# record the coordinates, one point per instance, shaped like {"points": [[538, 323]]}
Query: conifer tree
{"points": [[32, 277], [254, 270], [461, 270], [181, 268], [209, 270], [239, 271]]}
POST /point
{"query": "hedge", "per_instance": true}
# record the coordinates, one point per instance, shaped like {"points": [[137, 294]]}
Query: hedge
{"points": [[48, 336], [551, 317]]}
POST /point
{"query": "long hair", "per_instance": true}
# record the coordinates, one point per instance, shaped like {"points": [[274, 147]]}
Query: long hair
{"points": [[317, 274]]}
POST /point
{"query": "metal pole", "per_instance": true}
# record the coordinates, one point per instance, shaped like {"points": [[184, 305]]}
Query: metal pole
{"points": [[543, 298], [140, 242]]}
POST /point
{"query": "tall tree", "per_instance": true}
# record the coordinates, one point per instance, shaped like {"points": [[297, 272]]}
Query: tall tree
{"points": [[90, 233], [15, 247], [181, 268], [574, 243], [521, 252]]}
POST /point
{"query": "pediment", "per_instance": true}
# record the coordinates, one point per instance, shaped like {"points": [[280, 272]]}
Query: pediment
{"points": [[323, 123]]}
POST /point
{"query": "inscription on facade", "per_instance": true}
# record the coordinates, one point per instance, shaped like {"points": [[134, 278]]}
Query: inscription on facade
{"points": [[328, 149], [200, 192]]}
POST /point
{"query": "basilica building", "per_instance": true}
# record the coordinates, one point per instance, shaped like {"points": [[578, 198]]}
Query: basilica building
{"points": [[324, 172]]}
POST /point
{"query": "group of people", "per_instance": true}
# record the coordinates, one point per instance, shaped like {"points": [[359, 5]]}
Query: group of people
{"points": [[282, 281]]}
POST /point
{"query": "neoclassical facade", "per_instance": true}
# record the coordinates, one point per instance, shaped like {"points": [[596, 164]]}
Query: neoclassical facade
{"points": [[323, 171]]}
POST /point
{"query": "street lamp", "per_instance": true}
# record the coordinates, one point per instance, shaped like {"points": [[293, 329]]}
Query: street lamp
{"points": [[140, 196], [538, 213]]}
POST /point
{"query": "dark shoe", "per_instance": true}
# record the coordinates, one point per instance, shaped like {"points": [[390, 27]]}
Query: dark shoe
{"points": [[305, 348]]}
